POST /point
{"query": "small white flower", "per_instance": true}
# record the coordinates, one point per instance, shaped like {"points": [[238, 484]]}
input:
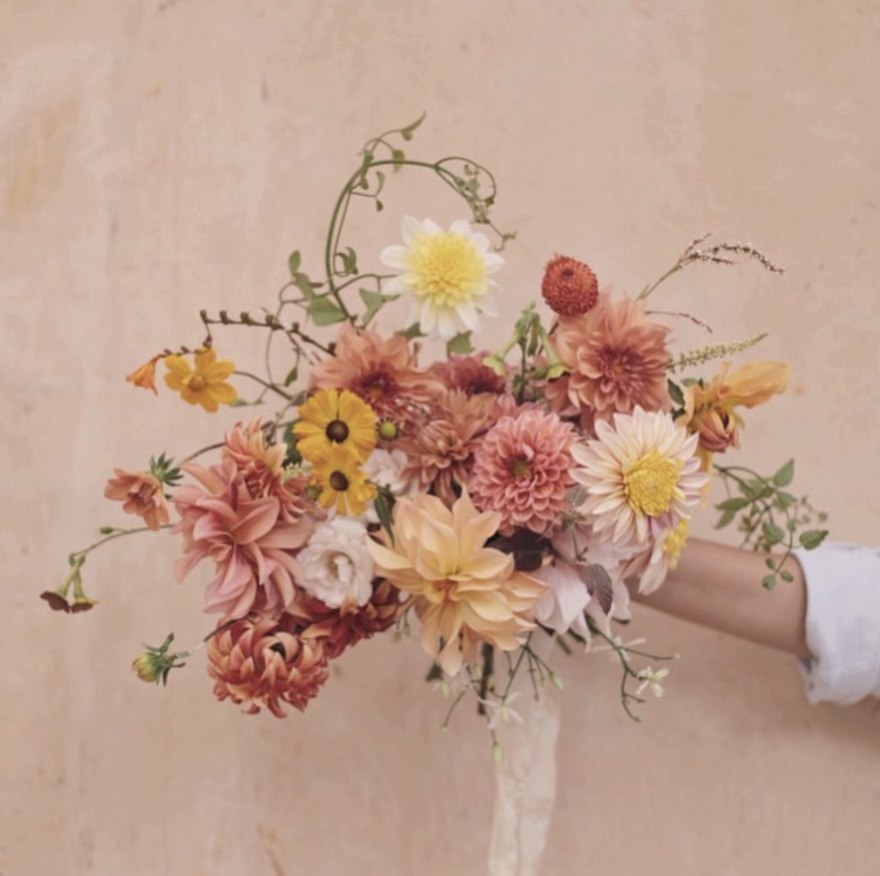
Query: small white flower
{"points": [[652, 680], [500, 711], [337, 566], [385, 469], [447, 272]]}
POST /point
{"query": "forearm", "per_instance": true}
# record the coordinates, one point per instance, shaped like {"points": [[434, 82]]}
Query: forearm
{"points": [[720, 587]]}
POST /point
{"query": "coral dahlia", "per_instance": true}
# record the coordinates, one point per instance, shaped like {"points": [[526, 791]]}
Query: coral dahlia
{"points": [[569, 287], [522, 470], [617, 360]]}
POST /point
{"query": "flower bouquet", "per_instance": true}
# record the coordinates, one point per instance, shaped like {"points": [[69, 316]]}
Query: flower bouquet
{"points": [[497, 502]]}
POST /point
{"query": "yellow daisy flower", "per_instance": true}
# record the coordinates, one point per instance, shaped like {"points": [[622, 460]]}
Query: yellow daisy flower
{"points": [[206, 385], [331, 418], [343, 485]]}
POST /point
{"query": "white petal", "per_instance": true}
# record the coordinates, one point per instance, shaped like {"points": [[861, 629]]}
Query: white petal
{"points": [[411, 228]]}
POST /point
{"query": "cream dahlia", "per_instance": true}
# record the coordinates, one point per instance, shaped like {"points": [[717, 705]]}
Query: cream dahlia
{"points": [[522, 470], [617, 360], [261, 662], [642, 477], [447, 272], [463, 592]]}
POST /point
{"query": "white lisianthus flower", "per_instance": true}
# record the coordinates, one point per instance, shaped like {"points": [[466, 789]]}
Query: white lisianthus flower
{"points": [[337, 565], [447, 272]]}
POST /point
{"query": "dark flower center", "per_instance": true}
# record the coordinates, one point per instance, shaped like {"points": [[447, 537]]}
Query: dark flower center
{"points": [[337, 431], [521, 468], [339, 481]]}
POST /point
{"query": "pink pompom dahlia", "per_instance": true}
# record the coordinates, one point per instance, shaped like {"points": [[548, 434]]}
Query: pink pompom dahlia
{"points": [[522, 470]]}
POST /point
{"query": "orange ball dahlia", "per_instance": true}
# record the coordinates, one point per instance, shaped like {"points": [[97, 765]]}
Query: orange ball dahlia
{"points": [[569, 287]]}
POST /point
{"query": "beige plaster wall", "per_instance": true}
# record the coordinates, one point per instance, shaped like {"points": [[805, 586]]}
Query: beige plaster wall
{"points": [[158, 157]]}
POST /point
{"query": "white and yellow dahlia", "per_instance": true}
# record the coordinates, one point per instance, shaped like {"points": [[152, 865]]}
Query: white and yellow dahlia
{"points": [[447, 272], [642, 477]]}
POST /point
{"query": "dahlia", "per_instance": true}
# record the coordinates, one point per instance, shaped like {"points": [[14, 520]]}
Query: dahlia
{"points": [[464, 592], [569, 287], [441, 446], [142, 494], [652, 566], [261, 466], [641, 476], [338, 629], [521, 470], [617, 360], [380, 371], [247, 538], [447, 272], [261, 662], [469, 374]]}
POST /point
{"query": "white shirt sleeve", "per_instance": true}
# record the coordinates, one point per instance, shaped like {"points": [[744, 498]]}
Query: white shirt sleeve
{"points": [[843, 622]]}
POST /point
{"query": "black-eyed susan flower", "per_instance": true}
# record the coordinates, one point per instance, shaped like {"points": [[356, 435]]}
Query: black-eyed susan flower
{"points": [[333, 419], [206, 385], [341, 480]]}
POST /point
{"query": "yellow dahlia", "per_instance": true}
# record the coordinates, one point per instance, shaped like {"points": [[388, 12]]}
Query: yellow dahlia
{"points": [[447, 272], [339, 476], [463, 591], [642, 477], [205, 385], [335, 419]]}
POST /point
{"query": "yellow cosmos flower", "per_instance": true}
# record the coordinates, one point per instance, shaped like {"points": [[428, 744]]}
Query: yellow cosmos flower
{"points": [[343, 485], [331, 418], [206, 385], [447, 272]]}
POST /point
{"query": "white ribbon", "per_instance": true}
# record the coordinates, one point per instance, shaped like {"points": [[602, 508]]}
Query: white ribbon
{"points": [[526, 780]]}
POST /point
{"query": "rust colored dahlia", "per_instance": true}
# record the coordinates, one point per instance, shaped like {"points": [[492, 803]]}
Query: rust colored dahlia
{"points": [[261, 662], [441, 446], [617, 360], [261, 465], [381, 371], [338, 629], [569, 287], [522, 470], [469, 374]]}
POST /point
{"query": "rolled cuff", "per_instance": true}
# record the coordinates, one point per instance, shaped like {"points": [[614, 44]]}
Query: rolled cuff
{"points": [[843, 622]]}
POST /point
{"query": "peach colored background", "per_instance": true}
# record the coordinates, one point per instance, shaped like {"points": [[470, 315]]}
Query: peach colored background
{"points": [[158, 157]]}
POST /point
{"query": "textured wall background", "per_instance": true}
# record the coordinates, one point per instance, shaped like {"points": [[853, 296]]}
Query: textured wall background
{"points": [[158, 157]]}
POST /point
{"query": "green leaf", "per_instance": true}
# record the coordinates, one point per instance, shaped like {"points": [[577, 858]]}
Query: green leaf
{"points": [[349, 260], [772, 533], [374, 302], [785, 500], [398, 156], [725, 519], [407, 132], [769, 581], [293, 262], [737, 503], [786, 576], [239, 403], [383, 511], [675, 393], [379, 206], [411, 333], [291, 375], [812, 538], [305, 285], [770, 564], [460, 345], [324, 311], [784, 476]]}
